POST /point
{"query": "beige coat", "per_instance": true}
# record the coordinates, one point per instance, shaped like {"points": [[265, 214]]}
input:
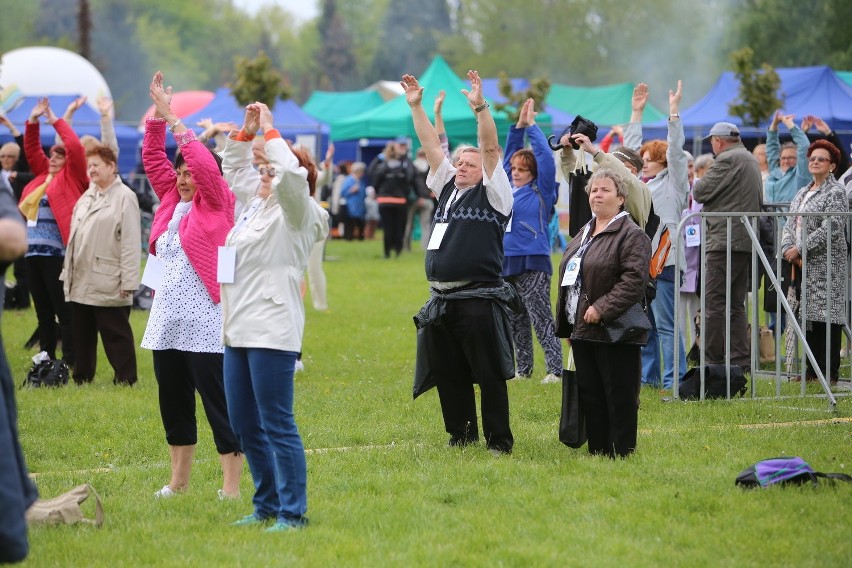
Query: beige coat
{"points": [[102, 257]]}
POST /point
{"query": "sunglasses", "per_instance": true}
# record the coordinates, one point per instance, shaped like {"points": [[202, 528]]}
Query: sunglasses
{"points": [[263, 170], [818, 159]]}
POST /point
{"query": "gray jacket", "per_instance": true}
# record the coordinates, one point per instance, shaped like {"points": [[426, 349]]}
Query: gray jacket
{"points": [[732, 184]]}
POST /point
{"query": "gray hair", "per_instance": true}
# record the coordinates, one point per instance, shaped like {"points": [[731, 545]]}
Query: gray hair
{"points": [[703, 161], [461, 149], [621, 187], [357, 167]]}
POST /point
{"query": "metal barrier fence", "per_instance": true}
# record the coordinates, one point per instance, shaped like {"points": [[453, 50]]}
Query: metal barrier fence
{"points": [[771, 268]]}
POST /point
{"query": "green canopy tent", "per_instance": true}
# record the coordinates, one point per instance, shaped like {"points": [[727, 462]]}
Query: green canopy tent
{"points": [[393, 118], [605, 105], [845, 76], [329, 107]]}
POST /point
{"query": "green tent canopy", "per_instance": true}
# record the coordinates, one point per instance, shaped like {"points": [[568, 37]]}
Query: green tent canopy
{"points": [[605, 105], [393, 118], [328, 106], [845, 76]]}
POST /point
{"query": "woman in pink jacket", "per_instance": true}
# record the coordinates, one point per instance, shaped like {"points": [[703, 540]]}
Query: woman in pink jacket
{"points": [[185, 325]]}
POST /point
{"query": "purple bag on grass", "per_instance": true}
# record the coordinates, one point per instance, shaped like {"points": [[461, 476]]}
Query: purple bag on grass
{"points": [[783, 470]]}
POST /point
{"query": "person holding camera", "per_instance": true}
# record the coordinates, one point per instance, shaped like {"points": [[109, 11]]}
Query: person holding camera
{"points": [[464, 334], [526, 244]]}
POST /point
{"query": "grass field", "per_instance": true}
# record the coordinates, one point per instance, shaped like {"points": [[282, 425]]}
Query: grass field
{"points": [[385, 490]]}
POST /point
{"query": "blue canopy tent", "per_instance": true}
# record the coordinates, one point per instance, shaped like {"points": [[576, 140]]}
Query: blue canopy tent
{"points": [[807, 90], [290, 120], [87, 120]]}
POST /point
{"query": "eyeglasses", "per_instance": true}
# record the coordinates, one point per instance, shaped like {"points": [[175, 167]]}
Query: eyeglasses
{"points": [[788, 158], [7, 156], [819, 159], [263, 170]]}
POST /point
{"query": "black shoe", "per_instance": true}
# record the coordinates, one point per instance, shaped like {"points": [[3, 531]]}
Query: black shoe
{"points": [[456, 441]]}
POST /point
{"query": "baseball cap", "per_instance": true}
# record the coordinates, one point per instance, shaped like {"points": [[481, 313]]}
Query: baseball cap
{"points": [[723, 129]]}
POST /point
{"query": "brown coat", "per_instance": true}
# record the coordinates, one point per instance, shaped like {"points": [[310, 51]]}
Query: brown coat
{"points": [[614, 274]]}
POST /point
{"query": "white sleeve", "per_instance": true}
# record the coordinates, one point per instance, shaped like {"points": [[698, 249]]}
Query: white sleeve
{"points": [[438, 179], [498, 189]]}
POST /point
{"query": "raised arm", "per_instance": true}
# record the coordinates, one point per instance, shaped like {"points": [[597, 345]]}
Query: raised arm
{"points": [[242, 178], [32, 138], [439, 122], [773, 144], [157, 166], [108, 138], [678, 163], [75, 154], [486, 129], [426, 132]]}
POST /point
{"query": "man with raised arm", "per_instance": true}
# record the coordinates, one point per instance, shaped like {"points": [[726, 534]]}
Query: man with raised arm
{"points": [[463, 332]]}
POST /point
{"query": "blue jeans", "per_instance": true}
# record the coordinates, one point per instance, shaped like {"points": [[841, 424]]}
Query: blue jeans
{"points": [[663, 308], [651, 354], [259, 389]]}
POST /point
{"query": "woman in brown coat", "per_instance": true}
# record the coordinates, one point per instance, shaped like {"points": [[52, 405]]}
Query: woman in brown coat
{"points": [[603, 273]]}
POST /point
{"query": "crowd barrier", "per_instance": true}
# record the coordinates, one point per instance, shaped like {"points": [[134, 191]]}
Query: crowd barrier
{"points": [[767, 269]]}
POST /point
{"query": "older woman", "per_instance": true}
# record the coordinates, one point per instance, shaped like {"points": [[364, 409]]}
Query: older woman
{"points": [[609, 271], [47, 203], [354, 189], [665, 170], [185, 325], [101, 270], [526, 243], [264, 317], [809, 237]]}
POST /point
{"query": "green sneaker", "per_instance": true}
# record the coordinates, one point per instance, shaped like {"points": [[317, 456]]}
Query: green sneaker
{"points": [[289, 525], [249, 520]]}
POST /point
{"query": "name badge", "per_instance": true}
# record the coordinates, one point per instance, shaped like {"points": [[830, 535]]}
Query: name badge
{"points": [[693, 235], [154, 271], [226, 265], [572, 270], [437, 236], [32, 222], [509, 224]]}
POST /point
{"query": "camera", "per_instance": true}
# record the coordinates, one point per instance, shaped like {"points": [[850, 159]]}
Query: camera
{"points": [[579, 125]]}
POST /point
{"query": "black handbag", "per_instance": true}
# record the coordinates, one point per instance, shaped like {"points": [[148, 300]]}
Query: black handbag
{"points": [[572, 421], [629, 326], [48, 373]]}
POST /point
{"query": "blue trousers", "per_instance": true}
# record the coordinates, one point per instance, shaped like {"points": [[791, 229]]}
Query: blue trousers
{"points": [[259, 390], [663, 308]]}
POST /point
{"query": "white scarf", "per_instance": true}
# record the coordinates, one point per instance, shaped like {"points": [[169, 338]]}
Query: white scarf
{"points": [[181, 210]]}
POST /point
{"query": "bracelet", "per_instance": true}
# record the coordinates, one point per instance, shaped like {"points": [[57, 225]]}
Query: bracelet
{"points": [[481, 107], [173, 126], [674, 115]]}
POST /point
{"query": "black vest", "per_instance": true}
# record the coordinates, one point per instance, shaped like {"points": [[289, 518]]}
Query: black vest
{"points": [[472, 248]]}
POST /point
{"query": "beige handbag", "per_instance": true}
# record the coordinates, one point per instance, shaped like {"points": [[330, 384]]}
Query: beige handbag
{"points": [[766, 344], [65, 509]]}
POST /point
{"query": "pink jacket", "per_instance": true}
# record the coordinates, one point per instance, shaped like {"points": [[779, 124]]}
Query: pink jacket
{"points": [[204, 229]]}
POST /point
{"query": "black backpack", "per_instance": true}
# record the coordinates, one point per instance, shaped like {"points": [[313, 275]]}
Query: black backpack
{"points": [[48, 373], [715, 383]]}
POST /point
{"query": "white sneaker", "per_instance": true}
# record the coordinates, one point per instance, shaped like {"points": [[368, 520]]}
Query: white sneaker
{"points": [[225, 497], [550, 378], [300, 366], [521, 377], [165, 493]]}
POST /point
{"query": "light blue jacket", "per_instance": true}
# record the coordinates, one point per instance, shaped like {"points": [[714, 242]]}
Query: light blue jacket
{"points": [[781, 187]]}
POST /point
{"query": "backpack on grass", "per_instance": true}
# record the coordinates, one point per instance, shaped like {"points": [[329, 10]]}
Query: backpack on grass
{"points": [[715, 382], [783, 470], [48, 373]]}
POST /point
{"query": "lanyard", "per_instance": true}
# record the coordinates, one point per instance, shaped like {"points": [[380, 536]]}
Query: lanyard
{"points": [[584, 245], [448, 205]]}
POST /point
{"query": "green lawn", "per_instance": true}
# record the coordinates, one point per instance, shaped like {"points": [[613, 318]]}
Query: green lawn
{"points": [[384, 488]]}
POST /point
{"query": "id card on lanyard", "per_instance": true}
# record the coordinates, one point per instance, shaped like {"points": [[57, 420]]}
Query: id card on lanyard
{"points": [[572, 269], [440, 228]]}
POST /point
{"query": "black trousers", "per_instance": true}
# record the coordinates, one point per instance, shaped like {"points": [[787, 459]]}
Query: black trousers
{"points": [[393, 224], [349, 227], [49, 299], [179, 374], [113, 325], [816, 337], [470, 346], [608, 392]]}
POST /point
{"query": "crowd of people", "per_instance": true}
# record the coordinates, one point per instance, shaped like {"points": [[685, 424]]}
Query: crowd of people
{"points": [[238, 226]]}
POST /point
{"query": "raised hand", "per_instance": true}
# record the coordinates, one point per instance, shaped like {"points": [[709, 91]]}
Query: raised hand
{"points": [[474, 95], [4, 120], [640, 97], [807, 122], [776, 118], [73, 107], [439, 101], [225, 126], [582, 141], [674, 98], [251, 122], [205, 123], [527, 115], [40, 109], [329, 153], [821, 125], [266, 119], [104, 105], [787, 119], [162, 97], [413, 90]]}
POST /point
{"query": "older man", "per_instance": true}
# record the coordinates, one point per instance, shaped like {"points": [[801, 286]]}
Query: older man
{"points": [[731, 185], [464, 334]]}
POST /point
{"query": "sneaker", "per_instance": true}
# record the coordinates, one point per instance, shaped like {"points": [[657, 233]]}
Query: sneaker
{"points": [[550, 378], [249, 520], [165, 493], [288, 525], [300, 366], [520, 377], [225, 497]]}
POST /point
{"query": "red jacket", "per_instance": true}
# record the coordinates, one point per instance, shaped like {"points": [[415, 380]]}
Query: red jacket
{"points": [[69, 184]]}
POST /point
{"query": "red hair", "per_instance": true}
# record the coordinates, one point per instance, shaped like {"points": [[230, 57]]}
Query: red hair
{"points": [[656, 150], [832, 150], [305, 161], [527, 158]]}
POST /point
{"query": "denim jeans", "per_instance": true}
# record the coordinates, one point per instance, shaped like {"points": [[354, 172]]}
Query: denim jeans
{"points": [[663, 308], [651, 354], [259, 389]]}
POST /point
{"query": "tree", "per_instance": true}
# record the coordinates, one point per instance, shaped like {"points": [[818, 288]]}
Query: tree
{"points": [[757, 98], [84, 25], [409, 37], [538, 90], [335, 58], [257, 80]]}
